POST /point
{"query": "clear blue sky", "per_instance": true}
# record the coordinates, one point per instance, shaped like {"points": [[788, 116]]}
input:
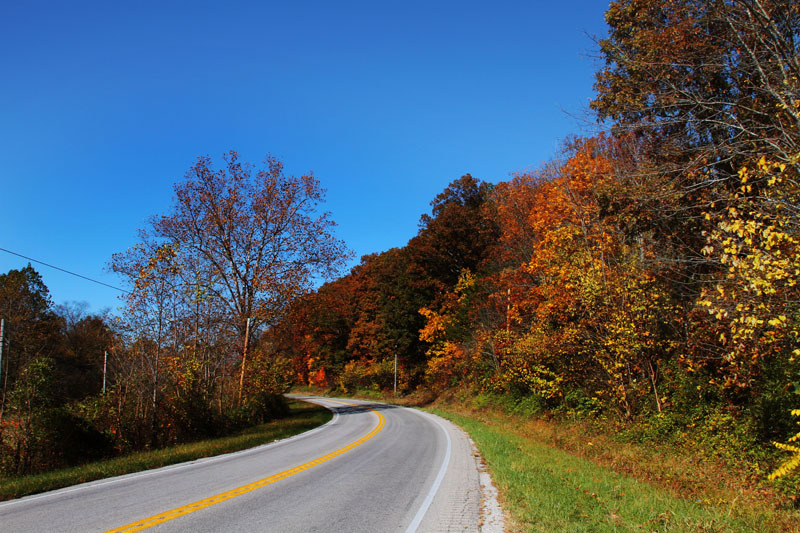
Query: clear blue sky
{"points": [[104, 106]]}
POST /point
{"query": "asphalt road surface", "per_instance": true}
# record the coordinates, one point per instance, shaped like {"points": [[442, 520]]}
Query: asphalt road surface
{"points": [[373, 468]]}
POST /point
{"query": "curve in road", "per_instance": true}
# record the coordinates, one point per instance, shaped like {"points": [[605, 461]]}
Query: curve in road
{"points": [[160, 518], [373, 467]]}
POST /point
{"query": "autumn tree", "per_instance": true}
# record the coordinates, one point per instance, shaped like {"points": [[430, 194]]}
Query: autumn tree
{"points": [[50, 360], [258, 236], [151, 310], [351, 329], [698, 89], [754, 300], [238, 244], [714, 80], [709, 94], [455, 236], [31, 326], [315, 331], [85, 338]]}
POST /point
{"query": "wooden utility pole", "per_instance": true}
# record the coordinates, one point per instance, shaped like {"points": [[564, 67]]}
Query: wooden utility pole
{"points": [[105, 365], [2, 343], [244, 359], [508, 311]]}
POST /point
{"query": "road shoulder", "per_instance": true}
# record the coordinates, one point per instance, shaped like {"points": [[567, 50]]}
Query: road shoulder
{"points": [[466, 500]]}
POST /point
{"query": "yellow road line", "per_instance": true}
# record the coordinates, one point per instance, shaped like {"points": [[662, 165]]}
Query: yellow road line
{"points": [[213, 500]]}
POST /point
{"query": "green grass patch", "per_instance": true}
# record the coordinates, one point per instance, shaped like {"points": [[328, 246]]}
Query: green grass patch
{"points": [[547, 489], [303, 417]]}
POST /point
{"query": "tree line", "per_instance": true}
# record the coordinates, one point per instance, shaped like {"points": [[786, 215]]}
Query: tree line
{"points": [[51, 357], [649, 272], [646, 273], [187, 357]]}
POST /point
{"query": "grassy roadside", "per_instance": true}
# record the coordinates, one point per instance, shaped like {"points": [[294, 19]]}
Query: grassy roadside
{"points": [[302, 418], [544, 487], [566, 476], [547, 489]]}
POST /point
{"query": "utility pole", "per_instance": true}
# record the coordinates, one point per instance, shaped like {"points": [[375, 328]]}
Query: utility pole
{"points": [[395, 370], [508, 311], [2, 343], [244, 359], [105, 364]]}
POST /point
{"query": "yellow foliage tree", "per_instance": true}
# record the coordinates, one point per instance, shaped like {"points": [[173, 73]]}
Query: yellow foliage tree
{"points": [[444, 330], [757, 245], [794, 462]]}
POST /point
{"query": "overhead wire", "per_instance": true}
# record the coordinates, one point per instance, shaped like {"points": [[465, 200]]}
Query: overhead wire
{"points": [[64, 270]]}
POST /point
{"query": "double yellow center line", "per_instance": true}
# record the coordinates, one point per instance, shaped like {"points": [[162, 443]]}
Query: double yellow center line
{"points": [[213, 500]]}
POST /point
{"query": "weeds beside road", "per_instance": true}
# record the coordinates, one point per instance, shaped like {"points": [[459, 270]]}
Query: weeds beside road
{"points": [[303, 417], [553, 477], [561, 475]]}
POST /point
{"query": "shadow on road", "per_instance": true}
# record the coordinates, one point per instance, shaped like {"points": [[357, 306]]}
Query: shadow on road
{"points": [[346, 409], [360, 408]]}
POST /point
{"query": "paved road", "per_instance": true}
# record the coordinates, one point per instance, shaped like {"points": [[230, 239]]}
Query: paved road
{"points": [[373, 468]]}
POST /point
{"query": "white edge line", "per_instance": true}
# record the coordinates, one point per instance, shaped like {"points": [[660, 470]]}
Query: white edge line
{"points": [[412, 528], [179, 466]]}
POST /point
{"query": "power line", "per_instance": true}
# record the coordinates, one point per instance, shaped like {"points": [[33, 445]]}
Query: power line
{"points": [[64, 270]]}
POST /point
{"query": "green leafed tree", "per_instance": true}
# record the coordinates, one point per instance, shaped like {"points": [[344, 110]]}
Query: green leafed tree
{"points": [[31, 327]]}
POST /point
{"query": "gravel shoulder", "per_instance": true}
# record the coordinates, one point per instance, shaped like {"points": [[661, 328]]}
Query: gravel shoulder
{"points": [[467, 499]]}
